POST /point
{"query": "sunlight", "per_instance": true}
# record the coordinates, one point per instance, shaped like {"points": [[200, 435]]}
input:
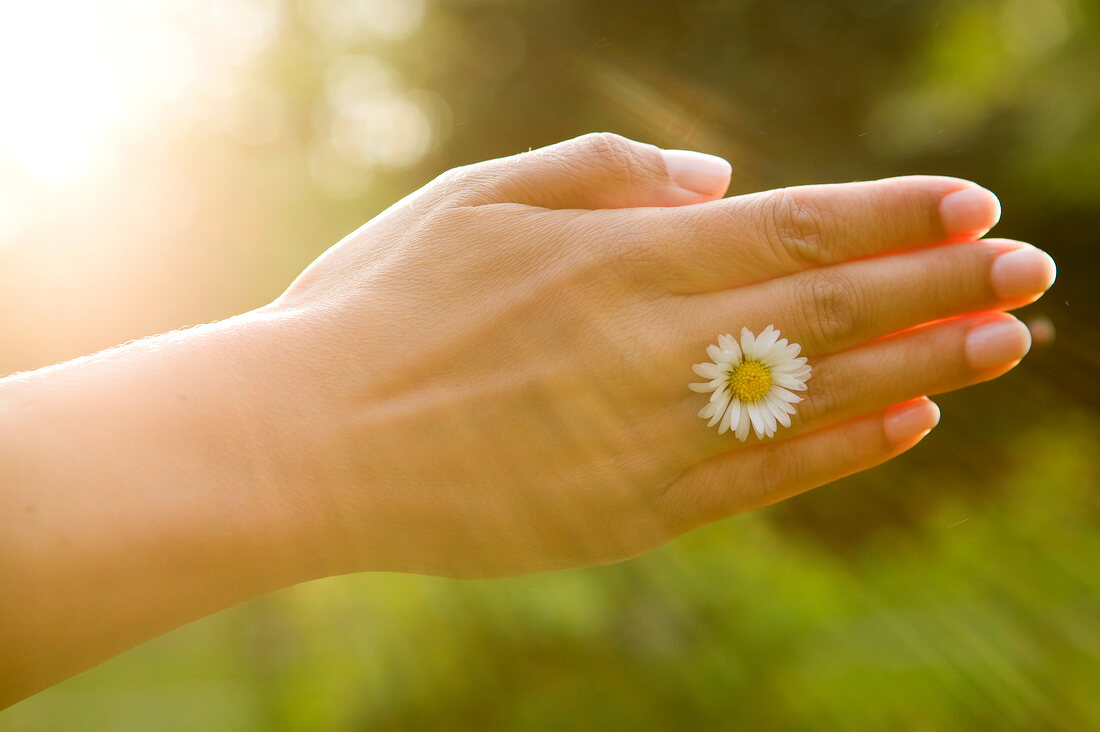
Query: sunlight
{"points": [[83, 81], [62, 96]]}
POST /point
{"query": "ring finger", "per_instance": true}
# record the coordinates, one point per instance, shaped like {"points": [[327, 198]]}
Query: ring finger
{"points": [[929, 360]]}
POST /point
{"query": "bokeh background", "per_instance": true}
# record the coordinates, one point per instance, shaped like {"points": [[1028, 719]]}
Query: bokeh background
{"points": [[173, 162]]}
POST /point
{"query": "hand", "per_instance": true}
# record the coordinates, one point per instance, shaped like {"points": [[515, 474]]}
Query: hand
{"points": [[489, 378], [501, 360]]}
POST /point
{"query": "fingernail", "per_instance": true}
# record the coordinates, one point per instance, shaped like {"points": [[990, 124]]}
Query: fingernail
{"points": [[1023, 272], [698, 172], [972, 210], [906, 421], [997, 343]]}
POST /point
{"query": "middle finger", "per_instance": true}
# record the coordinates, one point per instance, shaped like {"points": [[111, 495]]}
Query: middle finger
{"points": [[832, 308]]}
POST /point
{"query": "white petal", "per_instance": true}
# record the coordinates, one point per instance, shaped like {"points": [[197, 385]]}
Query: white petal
{"points": [[743, 424], [785, 367], [729, 346], [769, 418], [724, 426], [786, 380], [707, 410], [784, 419], [716, 419], [778, 410], [735, 410], [719, 413], [719, 393], [801, 372], [789, 366], [707, 370], [701, 387], [748, 344], [781, 393], [768, 358], [766, 339], [773, 357], [715, 353], [787, 352], [789, 406], [757, 419]]}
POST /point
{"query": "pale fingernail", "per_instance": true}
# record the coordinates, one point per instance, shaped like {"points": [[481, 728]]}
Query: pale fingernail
{"points": [[698, 172], [906, 421], [997, 343], [972, 210], [1023, 272]]}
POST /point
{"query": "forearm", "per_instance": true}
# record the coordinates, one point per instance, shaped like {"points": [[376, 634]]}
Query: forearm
{"points": [[140, 490]]}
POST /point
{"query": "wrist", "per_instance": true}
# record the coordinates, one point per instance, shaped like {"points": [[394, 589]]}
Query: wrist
{"points": [[145, 487]]}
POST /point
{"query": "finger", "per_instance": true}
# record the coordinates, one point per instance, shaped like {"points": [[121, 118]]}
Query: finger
{"points": [[742, 480], [833, 308], [933, 359], [747, 239], [594, 171]]}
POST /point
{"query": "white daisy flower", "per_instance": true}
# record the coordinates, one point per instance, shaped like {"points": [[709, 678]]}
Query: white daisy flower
{"points": [[753, 383]]}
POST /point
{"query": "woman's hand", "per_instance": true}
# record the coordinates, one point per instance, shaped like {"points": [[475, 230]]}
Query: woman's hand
{"points": [[489, 378], [502, 358]]}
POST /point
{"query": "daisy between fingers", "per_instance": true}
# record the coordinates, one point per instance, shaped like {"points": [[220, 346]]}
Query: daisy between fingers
{"points": [[753, 383]]}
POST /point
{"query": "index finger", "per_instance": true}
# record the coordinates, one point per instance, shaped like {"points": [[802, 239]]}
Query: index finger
{"points": [[756, 237]]}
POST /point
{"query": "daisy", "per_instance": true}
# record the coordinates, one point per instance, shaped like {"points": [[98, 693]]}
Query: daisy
{"points": [[753, 383]]}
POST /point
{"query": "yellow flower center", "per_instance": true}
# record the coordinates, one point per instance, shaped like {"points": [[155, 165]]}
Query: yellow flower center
{"points": [[750, 381]]}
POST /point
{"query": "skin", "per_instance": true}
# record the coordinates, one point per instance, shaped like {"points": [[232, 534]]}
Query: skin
{"points": [[489, 378]]}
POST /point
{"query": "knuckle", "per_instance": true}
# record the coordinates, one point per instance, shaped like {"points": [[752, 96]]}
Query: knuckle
{"points": [[620, 157], [606, 147], [460, 185], [795, 226], [455, 177], [833, 316]]}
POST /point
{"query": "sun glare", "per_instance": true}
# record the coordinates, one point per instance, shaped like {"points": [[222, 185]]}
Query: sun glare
{"points": [[61, 97], [90, 87], [81, 80]]}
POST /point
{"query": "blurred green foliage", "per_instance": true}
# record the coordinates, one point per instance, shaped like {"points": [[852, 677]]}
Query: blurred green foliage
{"points": [[955, 588]]}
